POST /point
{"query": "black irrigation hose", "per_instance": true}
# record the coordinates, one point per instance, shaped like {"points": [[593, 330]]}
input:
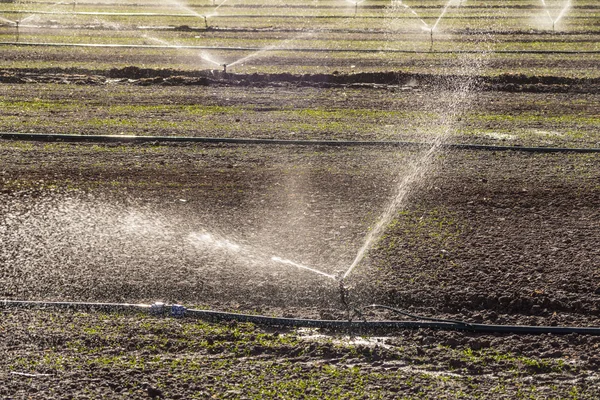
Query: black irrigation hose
{"points": [[293, 49], [406, 314], [52, 137], [279, 16], [362, 326], [298, 16]]}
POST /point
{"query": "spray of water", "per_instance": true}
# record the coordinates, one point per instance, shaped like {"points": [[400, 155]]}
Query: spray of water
{"points": [[46, 8], [270, 48], [202, 55], [425, 26], [218, 6], [560, 15], [185, 8], [460, 98], [303, 267], [59, 245], [8, 21]]}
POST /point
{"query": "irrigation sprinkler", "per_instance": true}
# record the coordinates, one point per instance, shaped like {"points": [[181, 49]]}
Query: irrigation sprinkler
{"points": [[431, 37], [430, 30], [560, 16], [16, 30], [356, 3], [224, 68], [205, 21]]}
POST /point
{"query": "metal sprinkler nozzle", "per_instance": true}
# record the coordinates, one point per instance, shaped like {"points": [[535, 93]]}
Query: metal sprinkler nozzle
{"points": [[17, 28], [224, 68], [343, 294], [205, 21], [431, 37]]}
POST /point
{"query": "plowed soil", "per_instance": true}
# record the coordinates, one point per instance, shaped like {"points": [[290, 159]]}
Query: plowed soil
{"points": [[504, 237]]}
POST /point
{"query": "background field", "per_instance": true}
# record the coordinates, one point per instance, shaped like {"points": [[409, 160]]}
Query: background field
{"points": [[497, 237]]}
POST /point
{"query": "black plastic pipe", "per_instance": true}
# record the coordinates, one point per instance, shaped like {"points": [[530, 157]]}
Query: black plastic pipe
{"points": [[389, 325], [363, 326], [225, 16], [53, 137], [294, 49]]}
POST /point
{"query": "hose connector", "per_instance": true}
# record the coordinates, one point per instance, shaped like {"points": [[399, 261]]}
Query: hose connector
{"points": [[157, 308], [178, 311]]}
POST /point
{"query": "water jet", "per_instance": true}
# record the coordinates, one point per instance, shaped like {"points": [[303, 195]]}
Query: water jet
{"points": [[427, 27], [560, 16]]}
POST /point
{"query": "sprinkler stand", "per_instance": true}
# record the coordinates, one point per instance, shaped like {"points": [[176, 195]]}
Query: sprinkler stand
{"points": [[431, 37], [205, 21], [17, 30], [224, 68]]}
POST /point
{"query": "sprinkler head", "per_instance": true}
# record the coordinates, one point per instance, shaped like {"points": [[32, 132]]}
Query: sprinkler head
{"points": [[224, 68]]}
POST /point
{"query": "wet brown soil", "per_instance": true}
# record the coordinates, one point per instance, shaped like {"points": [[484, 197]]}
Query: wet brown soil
{"points": [[169, 77], [488, 237], [505, 238]]}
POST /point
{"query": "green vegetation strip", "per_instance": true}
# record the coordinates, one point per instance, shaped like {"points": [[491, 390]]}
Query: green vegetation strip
{"points": [[296, 49], [167, 139]]}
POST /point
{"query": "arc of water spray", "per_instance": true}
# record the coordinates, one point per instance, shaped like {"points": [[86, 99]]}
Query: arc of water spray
{"points": [[7, 20], [417, 172], [16, 25], [356, 3], [201, 55], [227, 245], [269, 48], [562, 13], [426, 26], [304, 267]]}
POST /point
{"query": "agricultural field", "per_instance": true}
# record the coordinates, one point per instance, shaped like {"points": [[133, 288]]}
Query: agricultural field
{"points": [[300, 159]]}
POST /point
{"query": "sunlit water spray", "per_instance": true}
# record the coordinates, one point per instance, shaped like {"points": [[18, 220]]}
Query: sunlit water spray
{"points": [[427, 27], [8, 21], [303, 267], [203, 239], [202, 55], [561, 14], [356, 4], [192, 12], [58, 246], [459, 100], [260, 52]]}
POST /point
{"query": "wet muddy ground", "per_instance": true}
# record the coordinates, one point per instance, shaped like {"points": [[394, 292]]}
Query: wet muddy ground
{"points": [[493, 237], [482, 237]]}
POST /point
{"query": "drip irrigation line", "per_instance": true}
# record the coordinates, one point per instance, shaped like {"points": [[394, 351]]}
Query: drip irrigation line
{"points": [[176, 310], [293, 49], [369, 31], [268, 16], [420, 317], [52, 137]]}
